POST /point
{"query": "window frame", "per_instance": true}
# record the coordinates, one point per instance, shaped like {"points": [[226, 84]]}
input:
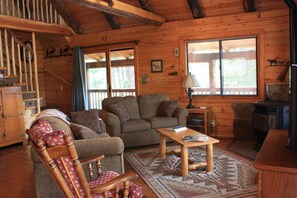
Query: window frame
{"points": [[220, 40]]}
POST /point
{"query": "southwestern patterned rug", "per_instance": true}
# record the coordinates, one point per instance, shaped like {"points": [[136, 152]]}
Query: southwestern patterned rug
{"points": [[233, 176]]}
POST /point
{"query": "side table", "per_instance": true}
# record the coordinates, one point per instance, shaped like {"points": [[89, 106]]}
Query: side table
{"points": [[200, 113]]}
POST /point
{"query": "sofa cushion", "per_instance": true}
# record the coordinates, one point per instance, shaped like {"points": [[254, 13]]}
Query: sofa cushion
{"points": [[162, 122], [135, 125], [120, 111], [82, 132], [130, 103], [149, 104], [167, 108], [89, 118]]}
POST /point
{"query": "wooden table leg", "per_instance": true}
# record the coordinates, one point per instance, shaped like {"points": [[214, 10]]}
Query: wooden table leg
{"points": [[209, 157], [184, 161], [162, 146]]}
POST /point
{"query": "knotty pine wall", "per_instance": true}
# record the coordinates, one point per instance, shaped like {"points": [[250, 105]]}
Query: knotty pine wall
{"points": [[271, 28]]}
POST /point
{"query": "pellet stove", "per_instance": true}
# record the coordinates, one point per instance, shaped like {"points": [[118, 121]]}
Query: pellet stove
{"points": [[269, 115]]}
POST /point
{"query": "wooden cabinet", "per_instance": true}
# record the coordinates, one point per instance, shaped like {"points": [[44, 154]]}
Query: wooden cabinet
{"points": [[277, 165], [199, 114], [12, 126]]}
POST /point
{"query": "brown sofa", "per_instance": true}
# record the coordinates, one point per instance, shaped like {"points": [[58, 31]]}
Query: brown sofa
{"points": [[111, 147], [139, 129]]}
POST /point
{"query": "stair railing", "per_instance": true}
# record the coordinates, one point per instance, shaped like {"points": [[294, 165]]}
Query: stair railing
{"points": [[37, 10], [20, 60]]}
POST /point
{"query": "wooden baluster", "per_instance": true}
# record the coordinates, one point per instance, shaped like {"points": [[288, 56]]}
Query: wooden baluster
{"points": [[7, 52], [1, 6], [56, 17], [37, 9], [12, 7], [41, 8], [1, 52], [51, 13], [105, 194], [46, 10], [126, 189], [117, 190], [90, 169], [20, 64], [18, 9], [28, 9], [98, 166], [30, 71], [7, 8], [34, 9], [25, 68], [13, 56], [23, 11], [36, 73]]}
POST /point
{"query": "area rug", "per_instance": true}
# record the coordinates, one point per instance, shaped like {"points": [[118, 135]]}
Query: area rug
{"points": [[232, 176], [244, 148]]}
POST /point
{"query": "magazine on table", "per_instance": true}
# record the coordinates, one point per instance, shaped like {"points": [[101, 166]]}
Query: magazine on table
{"points": [[195, 138], [177, 129]]}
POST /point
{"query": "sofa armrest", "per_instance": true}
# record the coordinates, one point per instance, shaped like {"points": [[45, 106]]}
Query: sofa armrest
{"points": [[112, 122], [181, 115], [106, 146], [102, 126]]}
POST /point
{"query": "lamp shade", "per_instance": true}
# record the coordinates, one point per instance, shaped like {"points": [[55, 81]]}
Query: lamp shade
{"points": [[190, 81]]}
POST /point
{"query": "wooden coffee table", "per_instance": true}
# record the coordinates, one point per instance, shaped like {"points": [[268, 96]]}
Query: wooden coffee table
{"points": [[178, 138]]}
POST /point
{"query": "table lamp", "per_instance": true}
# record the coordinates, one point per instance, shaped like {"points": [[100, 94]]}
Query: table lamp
{"points": [[189, 82]]}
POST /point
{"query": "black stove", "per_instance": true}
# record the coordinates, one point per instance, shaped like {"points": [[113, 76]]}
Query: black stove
{"points": [[269, 115]]}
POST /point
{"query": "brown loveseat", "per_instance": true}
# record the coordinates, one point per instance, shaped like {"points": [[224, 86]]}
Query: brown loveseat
{"points": [[111, 147], [143, 118]]}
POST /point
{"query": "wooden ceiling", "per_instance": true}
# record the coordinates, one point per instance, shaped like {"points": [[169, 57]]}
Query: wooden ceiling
{"points": [[94, 20]]}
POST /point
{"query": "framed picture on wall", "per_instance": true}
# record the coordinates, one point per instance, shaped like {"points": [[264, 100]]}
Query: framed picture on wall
{"points": [[156, 66]]}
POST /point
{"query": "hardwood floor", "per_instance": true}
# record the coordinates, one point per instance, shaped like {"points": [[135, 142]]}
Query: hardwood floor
{"points": [[16, 172]]}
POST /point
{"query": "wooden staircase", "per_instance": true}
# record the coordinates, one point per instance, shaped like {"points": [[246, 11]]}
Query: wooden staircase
{"points": [[18, 67]]}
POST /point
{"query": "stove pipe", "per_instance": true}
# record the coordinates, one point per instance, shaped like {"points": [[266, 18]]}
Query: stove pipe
{"points": [[293, 106]]}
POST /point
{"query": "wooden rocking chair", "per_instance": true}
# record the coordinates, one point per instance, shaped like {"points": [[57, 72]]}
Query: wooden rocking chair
{"points": [[57, 152]]}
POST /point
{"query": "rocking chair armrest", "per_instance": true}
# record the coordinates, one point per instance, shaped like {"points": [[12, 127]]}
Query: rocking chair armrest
{"points": [[91, 159], [114, 182]]}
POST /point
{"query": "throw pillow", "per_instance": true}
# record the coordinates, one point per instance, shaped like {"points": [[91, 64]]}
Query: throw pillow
{"points": [[120, 111], [82, 132], [167, 108], [39, 130], [89, 118]]}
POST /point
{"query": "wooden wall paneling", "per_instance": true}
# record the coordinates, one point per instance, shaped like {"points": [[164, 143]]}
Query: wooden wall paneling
{"points": [[58, 94], [272, 26]]}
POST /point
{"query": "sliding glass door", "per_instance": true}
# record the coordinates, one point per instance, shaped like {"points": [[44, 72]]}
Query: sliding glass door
{"points": [[109, 73]]}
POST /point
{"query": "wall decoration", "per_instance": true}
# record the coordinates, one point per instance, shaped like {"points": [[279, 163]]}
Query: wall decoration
{"points": [[64, 51], [144, 79], [174, 73], [278, 62], [156, 66]]}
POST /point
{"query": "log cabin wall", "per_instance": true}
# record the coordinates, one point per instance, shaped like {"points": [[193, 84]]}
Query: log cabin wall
{"points": [[158, 42]]}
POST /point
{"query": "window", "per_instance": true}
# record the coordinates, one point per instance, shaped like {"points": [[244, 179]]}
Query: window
{"points": [[107, 80], [224, 67]]}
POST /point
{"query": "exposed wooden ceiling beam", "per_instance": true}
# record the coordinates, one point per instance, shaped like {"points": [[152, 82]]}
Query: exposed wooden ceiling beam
{"points": [[67, 16], [196, 9], [146, 5], [119, 8], [34, 26], [112, 20], [249, 5]]}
